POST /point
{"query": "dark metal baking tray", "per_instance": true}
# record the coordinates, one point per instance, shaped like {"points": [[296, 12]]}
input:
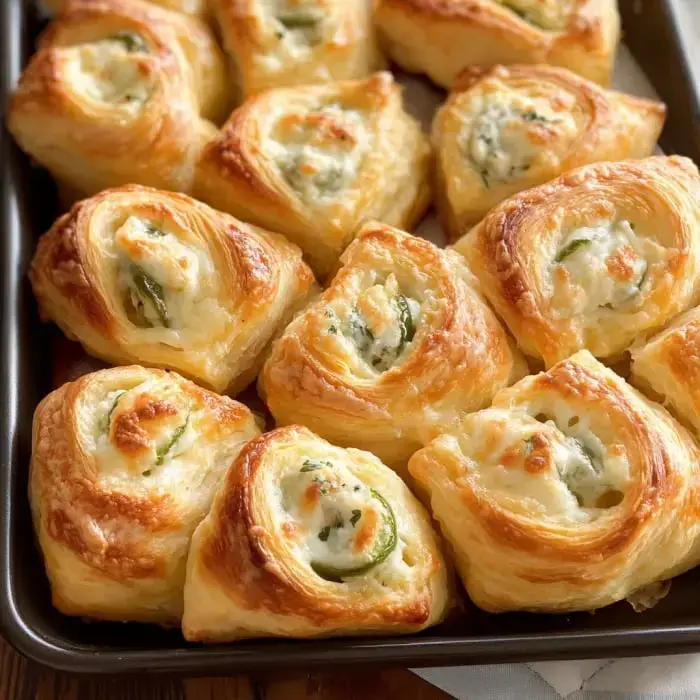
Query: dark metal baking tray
{"points": [[659, 38]]}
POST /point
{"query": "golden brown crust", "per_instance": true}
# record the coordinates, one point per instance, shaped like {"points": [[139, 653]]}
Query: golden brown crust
{"points": [[114, 524], [349, 390], [249, 573], [314, 162], [120, 91], [550, 539], [242, 286], [558, 296], [441, 37], [507, 128], [333, 40]]}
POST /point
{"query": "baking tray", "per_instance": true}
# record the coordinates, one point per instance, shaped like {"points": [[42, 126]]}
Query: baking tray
{"points": [[658, 33]]}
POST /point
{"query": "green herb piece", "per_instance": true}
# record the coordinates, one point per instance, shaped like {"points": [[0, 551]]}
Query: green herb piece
{"points": [[311, 465], [407, 327], [150, 292], [323, 484], [163, 450], [484, 177], [154, 231], [534, 117], [301, 18], [324, 534], [133, 43], [332, 330], [529, 446], [356, 515], [570, 249], [115, 401], [147, 472]]}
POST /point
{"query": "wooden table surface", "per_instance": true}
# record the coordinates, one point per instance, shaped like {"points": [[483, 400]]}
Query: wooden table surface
{"points": [[21, 679]]}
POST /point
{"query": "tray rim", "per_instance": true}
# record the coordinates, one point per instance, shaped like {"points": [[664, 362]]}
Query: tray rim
{"points": [[245, 656]]}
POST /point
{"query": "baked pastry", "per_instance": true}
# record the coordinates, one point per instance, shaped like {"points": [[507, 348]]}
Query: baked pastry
{"points": [[504, 129], [570, 493], [125, 463], [293, 42], [306, 539], [314, 162], [139, 275], [394, 352], [667, 368], [192, 7], [115, 94], [596, 259], [440, 38]]}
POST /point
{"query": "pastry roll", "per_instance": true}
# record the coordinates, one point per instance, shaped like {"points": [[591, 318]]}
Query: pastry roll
{"points": [[394, 352], [117, 93], [192, 7], [668, 368], [297, 42], [314, 162], [442, 38], [125, 464], [156, 278], [570, 493], [505, 129], [306, 539], [596, 259]]}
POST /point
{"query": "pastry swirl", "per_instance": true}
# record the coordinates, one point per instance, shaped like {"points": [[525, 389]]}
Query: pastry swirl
{"points": [[307, 539], [140, 275], [504, 129], [395, 351], [119, 92], [570, 493], [440, 38], [275, 43], [597, 259], [314, 162], [125, 464]]}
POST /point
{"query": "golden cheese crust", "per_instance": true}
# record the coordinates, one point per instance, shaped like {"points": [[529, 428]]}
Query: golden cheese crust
{"points": [[120, 91], [306, 539], [442, 37], [668, 367], [274, 44], [111, 455], [393, 353], [314, 162], [570, 493], [598, 258], [507, 128], [141, 275]]}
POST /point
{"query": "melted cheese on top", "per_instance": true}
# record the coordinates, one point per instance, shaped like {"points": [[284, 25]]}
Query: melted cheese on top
{"points": [[602, 267], [546, 14], [106, 71], [512, 128], [320, 151]]}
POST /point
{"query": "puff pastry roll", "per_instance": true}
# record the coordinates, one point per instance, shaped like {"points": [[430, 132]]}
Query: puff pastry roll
{"points": [[314, 162], [306, 539], [125, 464], [394, 352], [442, 38], [505, 129], [116, 94], [297, 42], [192, 7], [139, 275], [668, 368], [570, 493], [596, 259]]}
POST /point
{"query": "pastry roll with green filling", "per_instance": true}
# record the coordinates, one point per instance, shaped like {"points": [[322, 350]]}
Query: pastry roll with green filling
{"points": [[570, 493], [599, 258], [506, 128], [313, 162], [143, 276], [297, 42], [119, 92], [396, 350], [441, 38], [305, 539], [125, 464]]}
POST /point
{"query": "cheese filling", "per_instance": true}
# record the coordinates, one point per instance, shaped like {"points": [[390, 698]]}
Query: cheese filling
{"points": [[299, 21], [341, 526], [320, 152], [602, 267]]}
